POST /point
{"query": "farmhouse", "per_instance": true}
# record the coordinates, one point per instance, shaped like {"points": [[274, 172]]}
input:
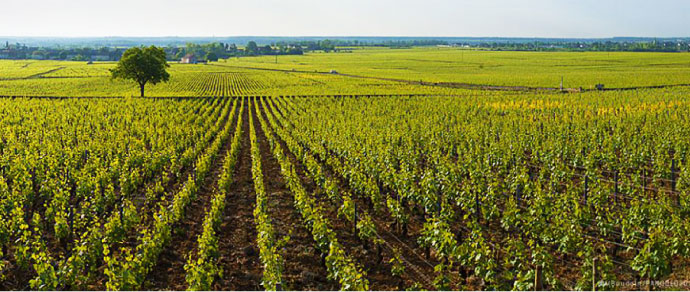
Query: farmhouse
{"points": [[188, 59]]}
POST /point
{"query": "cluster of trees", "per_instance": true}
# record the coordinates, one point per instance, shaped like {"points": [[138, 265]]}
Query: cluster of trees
{"points": [[329, 45], [252, 49], [19, 51], [654, 46], [217, 50], [209, 51], [605, 46]]}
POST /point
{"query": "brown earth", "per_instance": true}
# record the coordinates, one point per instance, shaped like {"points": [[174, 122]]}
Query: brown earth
{"points": [[169, 273], [378, 273], [303, 264], [239, 254]]}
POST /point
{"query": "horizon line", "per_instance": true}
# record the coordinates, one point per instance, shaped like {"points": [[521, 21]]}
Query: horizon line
{"points": [[338, 36]]}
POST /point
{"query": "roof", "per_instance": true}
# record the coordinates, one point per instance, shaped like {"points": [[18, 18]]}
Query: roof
{"points": [[188, 56]]}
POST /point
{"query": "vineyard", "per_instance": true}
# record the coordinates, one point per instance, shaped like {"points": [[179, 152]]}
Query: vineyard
{"points": [[537, 69], [221, 79], [257, 177]]}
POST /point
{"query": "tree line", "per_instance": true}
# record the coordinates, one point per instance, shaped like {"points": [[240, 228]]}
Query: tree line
{"points": [[218, 50], [207, 51], [604, 46]]}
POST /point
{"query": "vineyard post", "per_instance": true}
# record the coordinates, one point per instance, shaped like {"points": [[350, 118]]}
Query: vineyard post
{"points": [[673, 181], [594, 274], [427, 252], [538, 279], [615, 187], [379, 253], [71, 222], [477, 211], [121, 212], [397, 197], [354, 218], [403, 204], [584, 194], [644, 183], [438, 202]]}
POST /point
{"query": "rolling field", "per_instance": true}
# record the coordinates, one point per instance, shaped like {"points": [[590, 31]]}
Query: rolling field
{"points": [[77, 79], [245, 174], [363, 71], [535, 69]]}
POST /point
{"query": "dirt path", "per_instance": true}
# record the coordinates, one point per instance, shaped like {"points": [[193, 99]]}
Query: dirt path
{"points": [[303, 268], [239, 255], [34, 76], [169, 273]]}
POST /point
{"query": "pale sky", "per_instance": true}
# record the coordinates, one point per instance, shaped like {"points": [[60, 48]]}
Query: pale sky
{"points": [[499, 18]]}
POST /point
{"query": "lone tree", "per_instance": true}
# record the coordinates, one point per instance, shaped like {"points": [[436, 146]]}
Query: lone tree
{"points": [[142, 65]]}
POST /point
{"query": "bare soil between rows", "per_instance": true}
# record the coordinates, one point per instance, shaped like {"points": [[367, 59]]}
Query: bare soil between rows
{"points": [[303, 264], [169, 273], [378, 270], [239, 254]]}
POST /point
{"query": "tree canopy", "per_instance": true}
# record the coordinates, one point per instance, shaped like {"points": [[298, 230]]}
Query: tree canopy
{"points": [[143, 65], [252, 48], [212, 57]]}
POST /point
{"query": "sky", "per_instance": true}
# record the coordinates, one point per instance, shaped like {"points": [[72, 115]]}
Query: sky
{"points": [[452, 18]]}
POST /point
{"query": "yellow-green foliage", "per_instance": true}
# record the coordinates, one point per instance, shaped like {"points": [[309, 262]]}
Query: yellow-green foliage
{"points": [[309, 74], [614, 69]]}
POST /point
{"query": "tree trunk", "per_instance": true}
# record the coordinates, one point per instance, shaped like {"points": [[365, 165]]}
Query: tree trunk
{"points": [[141, 86]]}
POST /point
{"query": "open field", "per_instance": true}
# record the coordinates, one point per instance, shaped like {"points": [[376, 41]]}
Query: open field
{"points": [[537, 69], [77, 79], [255, 176], [365, 71]]}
